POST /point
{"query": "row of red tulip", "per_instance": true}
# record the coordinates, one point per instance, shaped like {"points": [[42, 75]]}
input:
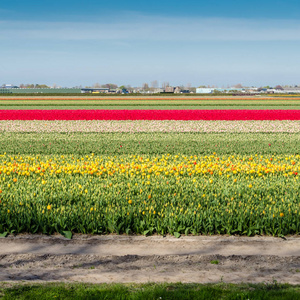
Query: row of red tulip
{"points": [[149, 114]]}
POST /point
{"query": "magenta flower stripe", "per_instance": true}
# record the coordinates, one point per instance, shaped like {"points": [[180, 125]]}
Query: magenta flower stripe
{"points": [[186, 115]]}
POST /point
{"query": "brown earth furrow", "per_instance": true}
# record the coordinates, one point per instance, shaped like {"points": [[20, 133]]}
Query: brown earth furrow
{"points": [[99, 259]]}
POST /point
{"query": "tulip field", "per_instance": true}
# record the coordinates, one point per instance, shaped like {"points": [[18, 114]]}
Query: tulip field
{"points": [[150, 171], [186, 115]]}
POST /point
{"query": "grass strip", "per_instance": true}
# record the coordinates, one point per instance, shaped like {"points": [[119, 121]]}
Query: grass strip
{"points": [[147, 103], [149, 143], [151, 291], [151, 100], [212, 102]]}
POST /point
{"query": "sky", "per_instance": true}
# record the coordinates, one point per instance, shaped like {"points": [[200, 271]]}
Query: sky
{"points": [[215, 42]]}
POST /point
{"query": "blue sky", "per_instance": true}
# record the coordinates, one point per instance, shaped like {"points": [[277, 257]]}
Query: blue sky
{"points": [[213, 42]]}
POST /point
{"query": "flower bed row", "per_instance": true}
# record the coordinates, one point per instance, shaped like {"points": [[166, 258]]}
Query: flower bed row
{"points": [[70, 98], [119, 143], [150, 194], [136, 126], [149, 114]]}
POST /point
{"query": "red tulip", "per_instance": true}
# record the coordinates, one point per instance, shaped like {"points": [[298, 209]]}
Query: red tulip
{"points": [[150, 115]]}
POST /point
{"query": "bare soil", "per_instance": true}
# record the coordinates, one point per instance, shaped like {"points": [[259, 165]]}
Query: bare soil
{"points": [[107, 259]]}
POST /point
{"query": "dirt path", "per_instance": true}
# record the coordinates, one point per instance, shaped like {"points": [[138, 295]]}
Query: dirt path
{"points": [[111, 258]]}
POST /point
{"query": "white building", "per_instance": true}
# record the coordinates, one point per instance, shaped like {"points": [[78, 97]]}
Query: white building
{"points": [[211, 90]]}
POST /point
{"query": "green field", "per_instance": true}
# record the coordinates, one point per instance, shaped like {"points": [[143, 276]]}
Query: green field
{"points": [[146, 103], [151, 291], [149, 101], [150, 143]]}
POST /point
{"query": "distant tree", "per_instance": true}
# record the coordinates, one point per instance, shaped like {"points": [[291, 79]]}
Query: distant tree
{"points": [[96, 85], [202, 86], [278, 87], [122, 87], [109, 86], [145, 87], [41, 86], [238, 86], [165, 84], [154, 84], [217, 92]]}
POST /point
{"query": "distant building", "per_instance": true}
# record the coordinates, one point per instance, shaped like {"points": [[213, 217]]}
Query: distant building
{"points": [[212, 90], [177, 90], [288, 90], [158, 90], [40, 90], [292, 90], [94, 90], [169, 89], [204, 90], [9, 86]]}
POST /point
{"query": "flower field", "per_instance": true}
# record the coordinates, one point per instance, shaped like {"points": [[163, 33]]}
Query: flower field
{"points": [[151, 194], [150, 171], [96, 126], [186, 115]]}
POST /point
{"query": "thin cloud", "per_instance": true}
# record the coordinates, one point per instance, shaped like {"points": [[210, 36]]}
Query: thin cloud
{"points": [[157, 29]]}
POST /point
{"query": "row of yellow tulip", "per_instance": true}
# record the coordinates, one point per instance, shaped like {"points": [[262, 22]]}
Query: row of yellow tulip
{"points": [[147, 194]]}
